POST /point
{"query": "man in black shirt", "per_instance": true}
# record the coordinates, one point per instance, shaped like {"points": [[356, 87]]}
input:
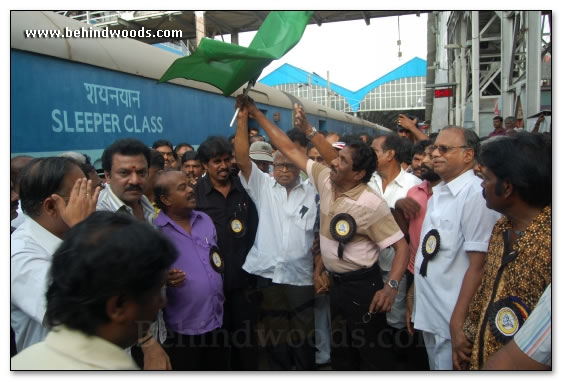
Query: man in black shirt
{"points": [[221, 196]]}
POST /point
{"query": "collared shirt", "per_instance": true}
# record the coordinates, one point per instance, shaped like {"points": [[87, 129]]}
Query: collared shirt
{"points": [[534, 338], [108, 201], [376, 227], [20, 218], [458, 211], [196, 306], [524, 278], [220, 209], [396, 189], [282, 249], [421, 193], [69, 349], [32, 248]]}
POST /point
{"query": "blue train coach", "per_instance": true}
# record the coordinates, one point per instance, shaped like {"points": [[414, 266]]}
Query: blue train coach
{"points": [[81, 94]]}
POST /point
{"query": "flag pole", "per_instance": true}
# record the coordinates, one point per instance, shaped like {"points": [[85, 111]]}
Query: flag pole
{"points": [[244, 92]]}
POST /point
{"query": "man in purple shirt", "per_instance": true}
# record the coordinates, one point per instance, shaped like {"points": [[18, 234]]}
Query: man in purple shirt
{"points": [[194, 313]]}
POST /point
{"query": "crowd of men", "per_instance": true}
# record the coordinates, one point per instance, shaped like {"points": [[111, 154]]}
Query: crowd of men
{"points": [[309, 251]]}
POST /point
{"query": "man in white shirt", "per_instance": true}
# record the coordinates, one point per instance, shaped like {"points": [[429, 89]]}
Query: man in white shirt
{"points": [[392, 183], [454, 240], [281, 255], [55, 195]]}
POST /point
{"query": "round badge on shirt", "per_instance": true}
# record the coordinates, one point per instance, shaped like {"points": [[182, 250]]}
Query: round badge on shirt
{"points": [[342, 229], [506, 317], [238, 228], [430, 247], [216, 260]]}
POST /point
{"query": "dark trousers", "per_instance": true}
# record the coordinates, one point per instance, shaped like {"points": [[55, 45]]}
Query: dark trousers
{"points": [[239, 320], [287, 318], [359, 341], [207, 351]]}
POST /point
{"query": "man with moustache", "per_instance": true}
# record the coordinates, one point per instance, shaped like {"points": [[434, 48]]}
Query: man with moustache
{"points": [[222, 197], [418, 152], [517, 182], [355, 224], [191, 166], [281, 255], [126, 165], [454, 239], [194, 313]]}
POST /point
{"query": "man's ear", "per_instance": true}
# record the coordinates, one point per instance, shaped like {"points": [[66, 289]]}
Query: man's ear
{"points": [[49, 206], [119, 309], [165, 200], [359, 175], [468, 155], [507, 189], [107, 176]]}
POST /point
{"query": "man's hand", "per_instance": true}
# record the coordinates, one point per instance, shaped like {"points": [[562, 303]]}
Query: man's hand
{"points": [[81, 202], [461, 349], [154, 356], [301, 120], [383, 300], [321, 282], [246, 103], [408, 206], [407, 123], [176, 277]]}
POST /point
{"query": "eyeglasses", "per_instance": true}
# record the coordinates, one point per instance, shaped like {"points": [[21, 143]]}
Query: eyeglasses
{"points": [[284, 166], [444, 149]]}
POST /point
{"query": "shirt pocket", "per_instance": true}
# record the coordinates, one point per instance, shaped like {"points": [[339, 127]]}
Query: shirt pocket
{"points": [[306, 215], [449, 238]]}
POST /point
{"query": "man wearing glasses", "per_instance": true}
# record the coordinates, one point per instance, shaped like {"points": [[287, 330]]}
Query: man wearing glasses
{"points": [[281, 256], [453, 246]]}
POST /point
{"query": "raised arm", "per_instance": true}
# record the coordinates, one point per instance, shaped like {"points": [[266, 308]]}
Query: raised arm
{"points": [[410, 124], [277, 136], [326, 150], [241, 144]]}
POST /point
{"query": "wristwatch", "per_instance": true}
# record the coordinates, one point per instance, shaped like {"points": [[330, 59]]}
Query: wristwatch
{"points": [[313, 133], [394, 284]]}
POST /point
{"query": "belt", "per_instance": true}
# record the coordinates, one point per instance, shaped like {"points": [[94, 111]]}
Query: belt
{"points": [[360, 274]]}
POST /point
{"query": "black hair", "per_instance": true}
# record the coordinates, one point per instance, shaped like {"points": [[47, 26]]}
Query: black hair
{"points": [[162, 142], [420, 146], [310, 145], [394, 142], [497, 117], [183, 144], [87, 168], [108, 254], [405, 152], [212, 147], [297, 136], [189, 155], [363, 158], [157, 160], [41, 178], [523, 160], [125, 146]]}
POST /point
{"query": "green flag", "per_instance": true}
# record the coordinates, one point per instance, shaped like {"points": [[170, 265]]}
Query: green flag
{"points": [[228, 67]]}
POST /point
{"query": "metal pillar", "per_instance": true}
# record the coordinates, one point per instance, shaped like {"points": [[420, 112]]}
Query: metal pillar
{"points": [[507, 26], [463, 53], [533, 64], [476, 93], [199, 26], [234, 37]]}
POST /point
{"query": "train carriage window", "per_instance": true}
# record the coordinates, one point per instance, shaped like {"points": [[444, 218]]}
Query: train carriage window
{"points": [[322, 125], [252, 124]]}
